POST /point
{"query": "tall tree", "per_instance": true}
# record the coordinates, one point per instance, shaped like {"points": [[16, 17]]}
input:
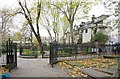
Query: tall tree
{"points": [[113, 8], [50, 18], [6, 16], [55, 24], [65, 26], [27, 12], [69, 8], [26, 32], [46, 22]]}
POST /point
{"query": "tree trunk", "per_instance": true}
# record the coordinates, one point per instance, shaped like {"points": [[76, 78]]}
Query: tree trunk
{"points": [[50, 35], [37, 37], [40, 43], [64, 40], [31, 38], [71, 32], [27, 13], [57, 37]]}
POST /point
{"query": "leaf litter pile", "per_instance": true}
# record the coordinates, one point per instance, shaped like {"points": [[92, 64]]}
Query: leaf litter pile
{"points": [[74, 66]]}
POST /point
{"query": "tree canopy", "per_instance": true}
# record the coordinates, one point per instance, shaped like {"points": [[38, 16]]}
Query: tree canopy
{"points": [[69, 8]]}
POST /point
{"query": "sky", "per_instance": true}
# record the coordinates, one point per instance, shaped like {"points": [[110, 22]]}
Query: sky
{"points": [[8, 3], [13, 4], [96, 10]]}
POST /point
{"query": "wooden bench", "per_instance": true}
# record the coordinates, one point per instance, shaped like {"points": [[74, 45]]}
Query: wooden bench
{"points": [[106, 71], [117, 73], [94, 73]]}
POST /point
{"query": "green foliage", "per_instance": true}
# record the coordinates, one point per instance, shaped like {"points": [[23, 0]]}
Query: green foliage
{"points": [[72, 8], [65, 24], [100, 37], [3, 49], [6, 22], [29, 52], [73, 5], [63, 53], [35, 42], [17, 36], [47, 47]]}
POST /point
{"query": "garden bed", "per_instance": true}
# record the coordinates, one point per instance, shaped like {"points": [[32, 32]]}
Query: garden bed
{"points": [[21, 56], [28, 53], [77, 65]]}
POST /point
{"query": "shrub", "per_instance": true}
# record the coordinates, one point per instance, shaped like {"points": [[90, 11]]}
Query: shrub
{"points": [[100, 37], [3, 49], [29, 52]]}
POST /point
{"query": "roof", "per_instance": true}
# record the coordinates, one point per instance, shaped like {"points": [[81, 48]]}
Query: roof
{"points": [[100, 18], [88, 24]]}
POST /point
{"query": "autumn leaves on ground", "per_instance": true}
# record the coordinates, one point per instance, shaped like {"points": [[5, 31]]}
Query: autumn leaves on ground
{"points": [[75, 66]]}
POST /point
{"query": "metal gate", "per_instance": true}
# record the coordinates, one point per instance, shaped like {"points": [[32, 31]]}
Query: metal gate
{"points": [[11, 54], [59, 52]]}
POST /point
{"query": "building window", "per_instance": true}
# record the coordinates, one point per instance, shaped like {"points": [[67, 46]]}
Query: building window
{"points": [[86, 30]]}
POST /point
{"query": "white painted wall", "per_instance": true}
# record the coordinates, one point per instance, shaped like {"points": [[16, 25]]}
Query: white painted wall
{"points": [[86, 37]]}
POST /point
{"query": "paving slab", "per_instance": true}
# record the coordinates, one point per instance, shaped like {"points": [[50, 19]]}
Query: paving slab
{"points": [[37, 68]]}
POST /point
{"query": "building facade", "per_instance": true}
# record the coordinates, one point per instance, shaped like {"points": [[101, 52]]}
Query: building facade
{"points": [[89, 27]]}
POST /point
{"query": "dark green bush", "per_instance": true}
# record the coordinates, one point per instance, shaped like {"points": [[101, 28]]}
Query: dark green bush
{"points": [[100, 37], [47, 47], [3, 49]]}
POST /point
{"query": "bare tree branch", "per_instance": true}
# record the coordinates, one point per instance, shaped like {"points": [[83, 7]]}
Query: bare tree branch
{"points": [[38, 16], [22, 6], [28, 11], [19, 13], [64, 12], [27, 17], [75, 11]]}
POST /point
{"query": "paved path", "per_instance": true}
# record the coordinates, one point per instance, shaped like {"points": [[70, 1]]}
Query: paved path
{"points": [[37, 68]]}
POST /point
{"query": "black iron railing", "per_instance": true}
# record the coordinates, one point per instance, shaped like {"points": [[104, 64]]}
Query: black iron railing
{"points": [[60, 52]]}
